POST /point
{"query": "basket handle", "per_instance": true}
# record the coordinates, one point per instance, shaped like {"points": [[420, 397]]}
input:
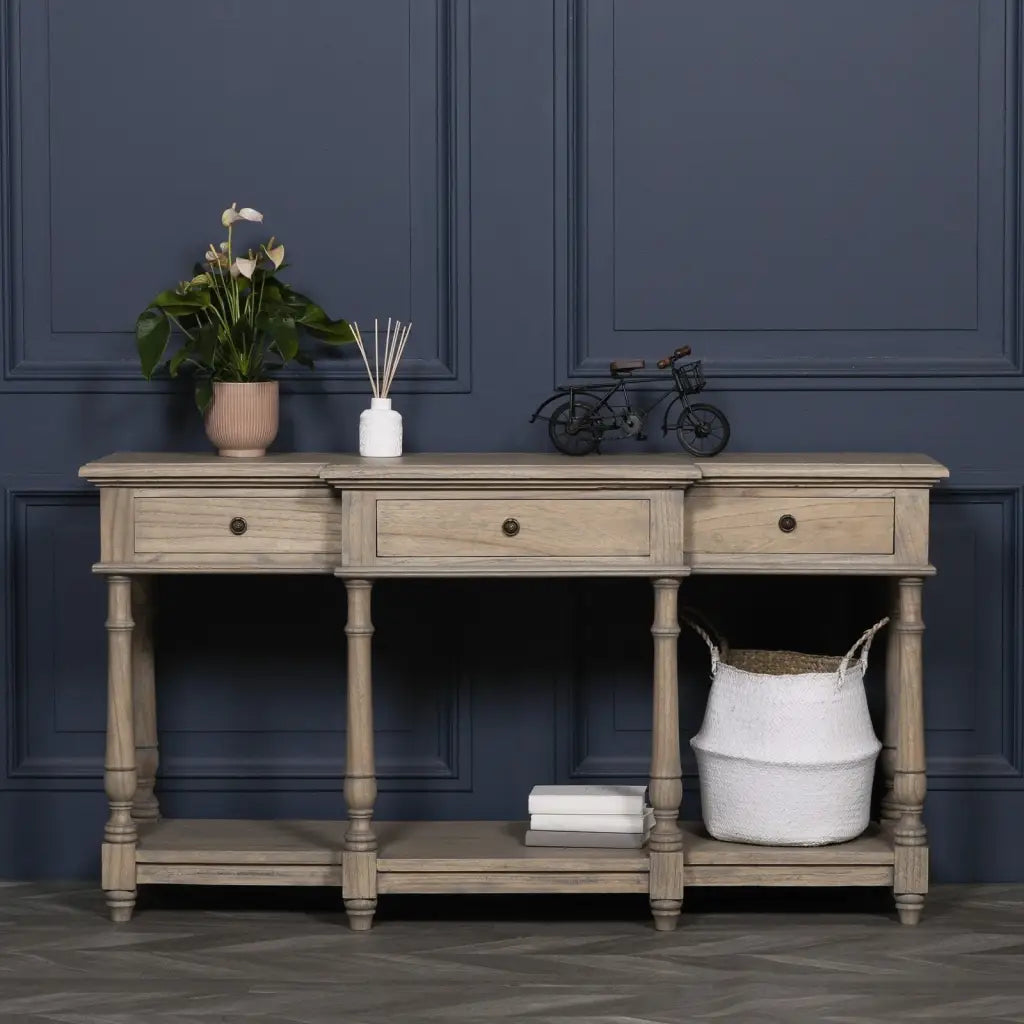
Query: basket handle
{"points": [[687, 617], [865, 644]]}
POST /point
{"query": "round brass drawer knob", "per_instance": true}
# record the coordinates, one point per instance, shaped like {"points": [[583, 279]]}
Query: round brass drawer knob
{"points": [[238, 526], [787, 524], [510, 527]]}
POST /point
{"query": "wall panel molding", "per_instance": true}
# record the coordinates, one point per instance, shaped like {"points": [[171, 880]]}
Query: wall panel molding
{"points": [[54, 725], [974, 662], [756, 358], [980, 569], [41, 343]]}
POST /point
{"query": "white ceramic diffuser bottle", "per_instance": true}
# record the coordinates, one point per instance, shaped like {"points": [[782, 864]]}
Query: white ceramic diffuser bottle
{"points": [[380, 430], [380, 426]]}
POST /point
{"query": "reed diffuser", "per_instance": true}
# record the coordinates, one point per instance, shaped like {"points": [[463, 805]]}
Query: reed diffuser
{"points": [[380, 426]]}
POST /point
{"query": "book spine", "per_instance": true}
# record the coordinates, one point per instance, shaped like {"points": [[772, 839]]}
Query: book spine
{"points": [[612, 804], [591, 822], [587, 840]]}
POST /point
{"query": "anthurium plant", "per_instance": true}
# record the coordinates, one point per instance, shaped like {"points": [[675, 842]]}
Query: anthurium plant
{"points": [[235, 320]]}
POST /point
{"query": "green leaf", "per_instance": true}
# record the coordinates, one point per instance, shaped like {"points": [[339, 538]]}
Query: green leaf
{"points": [[296, 300], [333, 332], [174, 364], [313, 314], [272, 296], [204, 394], [151, 333], [285, 335], [206, 346], [189, 301]]}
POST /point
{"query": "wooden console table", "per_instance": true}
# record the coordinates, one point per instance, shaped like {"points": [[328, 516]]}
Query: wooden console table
{"points": [[659, 516]]}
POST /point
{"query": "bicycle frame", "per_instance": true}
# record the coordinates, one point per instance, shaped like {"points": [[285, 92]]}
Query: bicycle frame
{"points": [[605, 410], [604, 392]]}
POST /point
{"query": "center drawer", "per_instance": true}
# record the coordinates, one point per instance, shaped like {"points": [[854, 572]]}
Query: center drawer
{"points": [[297, 522], [513, 527]]}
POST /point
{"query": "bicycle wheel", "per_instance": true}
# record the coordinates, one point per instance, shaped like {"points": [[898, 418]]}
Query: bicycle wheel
{"points": [[572, 429], [703, 430]]}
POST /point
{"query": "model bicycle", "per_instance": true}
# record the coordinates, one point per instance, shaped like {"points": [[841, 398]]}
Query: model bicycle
{"points": [[606, 410]]}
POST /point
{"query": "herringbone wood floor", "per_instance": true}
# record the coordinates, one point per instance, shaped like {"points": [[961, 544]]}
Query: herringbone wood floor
{"points": [[204, 956]]}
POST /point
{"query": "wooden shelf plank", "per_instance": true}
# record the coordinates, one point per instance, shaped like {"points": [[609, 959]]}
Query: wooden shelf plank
{"points": [[497, 846], [875, 846], [512, 881], [756, 875], [235, 873], [481, 856], [218, 841]]}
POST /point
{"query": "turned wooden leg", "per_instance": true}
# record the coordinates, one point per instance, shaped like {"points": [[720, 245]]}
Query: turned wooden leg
{"points": [[119, 836], [909, 785], [359, 870], [144, 805], [890, 734], [666, 786]]}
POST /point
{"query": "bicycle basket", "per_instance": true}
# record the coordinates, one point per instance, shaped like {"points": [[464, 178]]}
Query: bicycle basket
{"points": [[692, 377]]}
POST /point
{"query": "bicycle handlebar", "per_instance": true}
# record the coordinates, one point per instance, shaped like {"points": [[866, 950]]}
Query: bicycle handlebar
{"points": [[680, 353]]}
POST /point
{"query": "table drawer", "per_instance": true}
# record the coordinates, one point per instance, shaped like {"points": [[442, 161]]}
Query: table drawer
{"points": [[513, 527], [243, 523], [720, 521]]}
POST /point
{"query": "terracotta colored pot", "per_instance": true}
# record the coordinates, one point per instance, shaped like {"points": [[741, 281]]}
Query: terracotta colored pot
{"points": [[242, 418]]}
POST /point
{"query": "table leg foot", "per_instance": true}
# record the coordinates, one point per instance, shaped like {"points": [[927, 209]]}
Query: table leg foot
{"points": [[121, 905], [909, 907], [360, 914], [666, 914]]}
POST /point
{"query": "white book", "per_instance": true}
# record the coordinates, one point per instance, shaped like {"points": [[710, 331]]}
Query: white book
{"points": [[592, 822], [588, 799], [589, 840]]}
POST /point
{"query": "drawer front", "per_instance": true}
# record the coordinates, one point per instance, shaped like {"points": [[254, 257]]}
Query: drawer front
{"points": [[240, 524], [513, 527], [721, 522]]}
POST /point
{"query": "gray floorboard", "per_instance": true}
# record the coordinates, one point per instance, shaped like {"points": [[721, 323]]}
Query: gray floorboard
{"points": [[199, 957]]}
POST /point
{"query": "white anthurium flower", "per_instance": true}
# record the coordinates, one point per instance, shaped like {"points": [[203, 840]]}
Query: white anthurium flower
{"points": [[223, 246], [248, 213], [230, 215], [217, 259], [244, 267], [276, 256]]}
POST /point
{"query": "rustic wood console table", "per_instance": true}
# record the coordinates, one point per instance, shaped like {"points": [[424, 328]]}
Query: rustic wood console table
{"points": [[660, 516]]}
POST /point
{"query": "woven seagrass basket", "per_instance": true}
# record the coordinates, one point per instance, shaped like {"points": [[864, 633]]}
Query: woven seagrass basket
{"points": [[787, 752]]}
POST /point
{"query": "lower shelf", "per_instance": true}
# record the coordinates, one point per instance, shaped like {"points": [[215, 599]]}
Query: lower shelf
{"points": [[481, 856]]}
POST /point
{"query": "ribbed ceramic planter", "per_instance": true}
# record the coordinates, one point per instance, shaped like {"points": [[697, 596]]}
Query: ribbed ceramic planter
{"points": [[242, 418]]}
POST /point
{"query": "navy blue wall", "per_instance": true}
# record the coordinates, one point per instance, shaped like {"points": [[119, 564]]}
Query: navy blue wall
{"points": [[822, 198]]}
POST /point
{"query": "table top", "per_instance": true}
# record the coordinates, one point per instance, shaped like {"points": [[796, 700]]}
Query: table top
{"points": [[515, 467]]}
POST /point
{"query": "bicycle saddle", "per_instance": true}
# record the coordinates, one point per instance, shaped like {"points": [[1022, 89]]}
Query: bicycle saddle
{"points": [[626, 366]]}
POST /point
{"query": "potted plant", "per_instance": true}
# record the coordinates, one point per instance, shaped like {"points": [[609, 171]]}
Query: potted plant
{"points": [[236, 323]]}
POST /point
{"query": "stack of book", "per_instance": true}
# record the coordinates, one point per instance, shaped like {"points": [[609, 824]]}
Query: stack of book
{"points": [[591, 816]]}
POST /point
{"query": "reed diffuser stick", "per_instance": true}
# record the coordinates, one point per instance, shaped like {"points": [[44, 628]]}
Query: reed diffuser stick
{"points": [[382, 374], [399, 351], [362, 352], [388, 351], [394, 354]]}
